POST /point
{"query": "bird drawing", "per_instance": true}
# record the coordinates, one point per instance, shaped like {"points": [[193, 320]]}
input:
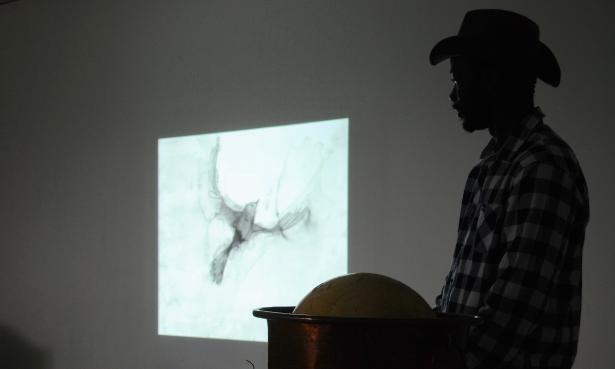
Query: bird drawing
{"points": [[240, 218]]}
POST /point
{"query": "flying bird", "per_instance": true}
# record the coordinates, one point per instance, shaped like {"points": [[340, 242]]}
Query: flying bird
{"points": [[241, 219]]}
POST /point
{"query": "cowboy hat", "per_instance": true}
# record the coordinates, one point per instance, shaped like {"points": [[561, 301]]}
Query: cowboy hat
{"points": [[503, 37]]}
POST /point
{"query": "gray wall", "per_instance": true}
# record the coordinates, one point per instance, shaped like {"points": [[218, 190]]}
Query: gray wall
{"points": [[86, 88]]}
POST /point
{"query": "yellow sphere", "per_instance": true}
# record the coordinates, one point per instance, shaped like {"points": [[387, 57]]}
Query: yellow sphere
{"points": [[364, 295]]}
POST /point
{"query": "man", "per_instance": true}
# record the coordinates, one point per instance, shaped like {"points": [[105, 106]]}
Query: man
{"points": [[517, 260]]}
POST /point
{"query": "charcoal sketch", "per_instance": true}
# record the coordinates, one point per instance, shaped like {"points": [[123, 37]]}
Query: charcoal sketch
{"points": [[241, 218], [248, 218]]}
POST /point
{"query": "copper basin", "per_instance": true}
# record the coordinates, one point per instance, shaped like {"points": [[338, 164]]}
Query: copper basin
{"points": [[311, 342]]}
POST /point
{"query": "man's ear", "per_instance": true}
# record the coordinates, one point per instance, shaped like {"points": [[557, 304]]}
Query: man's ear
{"points": [[490, 79]]}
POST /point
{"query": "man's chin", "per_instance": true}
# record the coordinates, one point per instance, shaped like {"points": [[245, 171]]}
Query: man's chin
{"points": [[465, 123], [471, 125], [468, 127]]}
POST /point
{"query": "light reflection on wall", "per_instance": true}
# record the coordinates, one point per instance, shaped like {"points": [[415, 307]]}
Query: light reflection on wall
{"points": [[248, 219]]}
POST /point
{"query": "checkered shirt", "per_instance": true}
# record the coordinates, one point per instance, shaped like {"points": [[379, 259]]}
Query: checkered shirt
{"points": [[517, 260]]}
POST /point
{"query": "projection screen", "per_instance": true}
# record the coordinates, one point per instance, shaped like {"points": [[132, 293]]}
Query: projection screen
{"points": [[248, 219]]}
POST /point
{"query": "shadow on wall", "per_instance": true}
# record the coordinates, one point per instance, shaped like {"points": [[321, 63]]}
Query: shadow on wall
{"points": [[17, 353]]}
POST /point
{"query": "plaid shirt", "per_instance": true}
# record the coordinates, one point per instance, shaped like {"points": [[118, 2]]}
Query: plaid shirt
{"points": [[517, 261]]}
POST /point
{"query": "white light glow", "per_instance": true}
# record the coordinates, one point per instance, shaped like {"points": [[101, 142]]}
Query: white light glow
{"points": [[248, 219]]}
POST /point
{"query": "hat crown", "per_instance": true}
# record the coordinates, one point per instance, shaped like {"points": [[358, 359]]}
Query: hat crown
{"points": [[500, 36], [499, 25]]}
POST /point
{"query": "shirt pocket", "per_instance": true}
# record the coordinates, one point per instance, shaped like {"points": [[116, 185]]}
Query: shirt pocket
{"points": [[488, 227]]}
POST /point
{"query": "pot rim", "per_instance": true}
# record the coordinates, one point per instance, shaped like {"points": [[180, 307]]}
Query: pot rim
{"points": [[285, 313]]}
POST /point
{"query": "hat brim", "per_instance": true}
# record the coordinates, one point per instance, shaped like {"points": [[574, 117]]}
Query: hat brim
{"points": [[447, 48], [548, 69]]}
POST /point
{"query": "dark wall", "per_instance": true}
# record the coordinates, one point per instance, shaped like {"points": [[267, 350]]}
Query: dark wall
{"points": [[86, 88]]}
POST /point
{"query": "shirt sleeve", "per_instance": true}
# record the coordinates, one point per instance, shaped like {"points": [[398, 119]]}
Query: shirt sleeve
{"points": [[538, 215], [438, 301]]}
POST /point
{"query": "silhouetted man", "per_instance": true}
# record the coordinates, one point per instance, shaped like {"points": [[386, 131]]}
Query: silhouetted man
{"points": [[517, 260]]}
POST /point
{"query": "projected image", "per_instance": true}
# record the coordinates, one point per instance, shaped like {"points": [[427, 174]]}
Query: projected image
{"points": [[248, 219]]}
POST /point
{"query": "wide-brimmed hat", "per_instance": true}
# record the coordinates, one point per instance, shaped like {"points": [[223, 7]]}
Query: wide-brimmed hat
{"points": [[500, 36]]}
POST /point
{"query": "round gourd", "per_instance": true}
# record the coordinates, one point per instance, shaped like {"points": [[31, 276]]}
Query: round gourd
{"points": [[364, 295]]}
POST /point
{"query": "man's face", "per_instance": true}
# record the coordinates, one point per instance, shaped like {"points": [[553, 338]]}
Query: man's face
{"points": [[469, 96]]}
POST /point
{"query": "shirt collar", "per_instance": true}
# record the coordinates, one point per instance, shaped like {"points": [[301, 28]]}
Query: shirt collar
{"points": [[517, 137]]}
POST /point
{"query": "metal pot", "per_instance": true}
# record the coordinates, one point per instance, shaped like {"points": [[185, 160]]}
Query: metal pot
{"points": [[311, 342]]}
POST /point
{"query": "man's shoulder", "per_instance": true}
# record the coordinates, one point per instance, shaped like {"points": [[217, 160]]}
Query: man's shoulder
{"points": [[545, 152], [545, 147]]}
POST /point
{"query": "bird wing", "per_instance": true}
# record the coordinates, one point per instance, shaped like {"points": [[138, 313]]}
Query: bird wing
{"points": [[211, 200], [287, 221]]}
